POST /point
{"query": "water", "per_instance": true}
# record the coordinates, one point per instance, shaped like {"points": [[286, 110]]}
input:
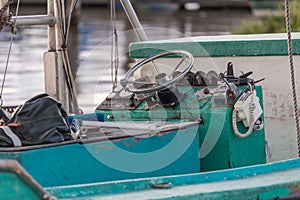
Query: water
{"points": [[25, 76]]}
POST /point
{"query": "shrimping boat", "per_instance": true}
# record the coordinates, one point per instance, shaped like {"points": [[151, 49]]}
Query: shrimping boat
{"points": [[173, 127]]}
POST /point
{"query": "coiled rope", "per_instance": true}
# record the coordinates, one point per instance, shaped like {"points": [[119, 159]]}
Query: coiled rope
{"points": [[292, 71], [251, 119]]}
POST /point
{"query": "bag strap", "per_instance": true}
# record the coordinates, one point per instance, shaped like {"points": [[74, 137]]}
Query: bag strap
{"points": [[15, 139], [4, 115]]}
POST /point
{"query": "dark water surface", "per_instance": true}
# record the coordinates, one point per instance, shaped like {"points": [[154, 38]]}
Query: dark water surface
{"points": [[25, 76]]}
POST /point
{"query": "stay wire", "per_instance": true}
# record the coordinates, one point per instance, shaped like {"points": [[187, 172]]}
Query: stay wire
{"points": [[72, 6], [14, 25], [292, 71], [63, 16], [66, 64], [61, 20]]}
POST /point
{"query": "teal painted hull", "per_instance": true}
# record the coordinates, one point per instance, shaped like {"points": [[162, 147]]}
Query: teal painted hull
{"points": [[85, 163], [256, 182], [264, 181]]}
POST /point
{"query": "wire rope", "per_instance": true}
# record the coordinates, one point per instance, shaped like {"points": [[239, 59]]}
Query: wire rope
{"points": [[13, 31]]}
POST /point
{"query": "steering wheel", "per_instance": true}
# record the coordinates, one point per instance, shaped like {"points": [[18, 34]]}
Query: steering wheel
{"points": [[162, 80]]}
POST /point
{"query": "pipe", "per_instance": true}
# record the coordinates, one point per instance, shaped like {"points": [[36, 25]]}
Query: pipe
{"points": [[134, 21], [34, 20]]}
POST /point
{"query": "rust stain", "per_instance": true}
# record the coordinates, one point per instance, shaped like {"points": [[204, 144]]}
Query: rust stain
{"points": [[127, 144], [294, 188]]}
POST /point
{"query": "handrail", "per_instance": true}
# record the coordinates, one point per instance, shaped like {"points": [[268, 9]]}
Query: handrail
{"points": [[33, 20]]}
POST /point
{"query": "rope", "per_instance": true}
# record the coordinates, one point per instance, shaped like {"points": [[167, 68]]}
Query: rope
{"points": [[292, 71], [14, 25]]}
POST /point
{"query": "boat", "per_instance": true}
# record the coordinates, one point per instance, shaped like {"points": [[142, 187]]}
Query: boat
{"points": [[176, 126], [265, 7], [265, 4]]}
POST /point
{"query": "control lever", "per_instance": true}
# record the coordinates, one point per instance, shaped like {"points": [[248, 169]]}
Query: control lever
{"points": [[246, 75], [230, 73], [230, 87], [240, 80]]}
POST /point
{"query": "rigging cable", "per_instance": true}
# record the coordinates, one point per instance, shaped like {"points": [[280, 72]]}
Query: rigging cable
{"points": [[13, 31], [292, 71], [65, 56], [72, 8], [114, 46]]}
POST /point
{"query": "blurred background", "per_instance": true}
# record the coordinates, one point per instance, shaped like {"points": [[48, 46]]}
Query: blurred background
{"points": [[91, 34]]}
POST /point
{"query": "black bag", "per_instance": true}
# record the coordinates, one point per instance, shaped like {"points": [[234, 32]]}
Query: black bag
{"points": [[40, 120]]}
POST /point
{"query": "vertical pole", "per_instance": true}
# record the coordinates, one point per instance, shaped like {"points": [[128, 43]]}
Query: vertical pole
{"points": [[63, 96], [53, 66], [51, 29], [50, 58]]}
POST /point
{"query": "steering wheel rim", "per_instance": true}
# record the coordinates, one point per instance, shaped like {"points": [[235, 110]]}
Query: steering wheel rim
{"points": [[124, 81]]}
